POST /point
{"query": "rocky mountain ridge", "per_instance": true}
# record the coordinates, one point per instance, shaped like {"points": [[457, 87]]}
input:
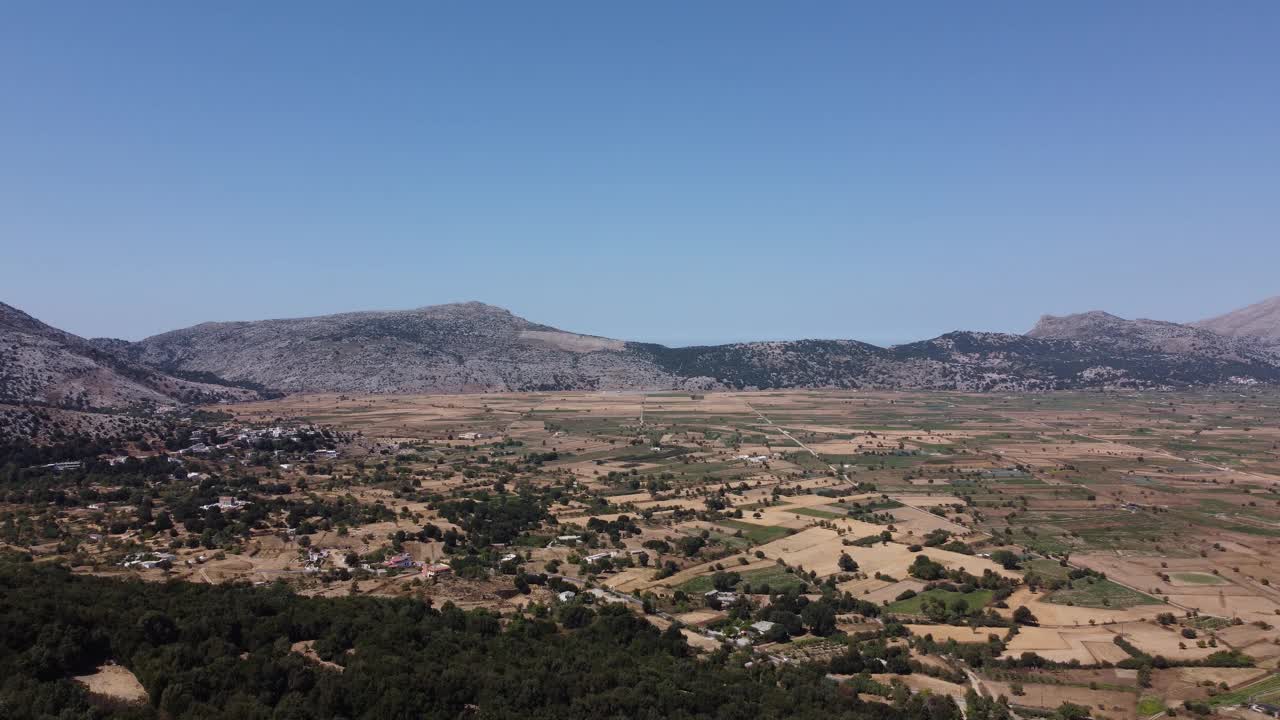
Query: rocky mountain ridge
{"points": [[43, 365], [474, 347]]}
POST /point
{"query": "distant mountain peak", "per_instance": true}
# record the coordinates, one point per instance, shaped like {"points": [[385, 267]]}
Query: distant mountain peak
{"points": [[1260, 320], [466, 305], [1103, 329], [1078, 326]]}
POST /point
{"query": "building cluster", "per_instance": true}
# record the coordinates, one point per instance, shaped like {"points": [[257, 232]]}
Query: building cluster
{"points": [[745, 636], [148, 560], [756, 459], [226, 502]]}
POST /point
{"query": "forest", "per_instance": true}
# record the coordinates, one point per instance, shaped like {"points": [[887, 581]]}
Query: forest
{"points": [[227, 652]]}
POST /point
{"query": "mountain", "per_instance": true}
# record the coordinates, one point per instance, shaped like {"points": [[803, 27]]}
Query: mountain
{"points": [[43, 365], [1149, 335], [473, 347], [1181, 353], [1260, 321], [466, 347]]}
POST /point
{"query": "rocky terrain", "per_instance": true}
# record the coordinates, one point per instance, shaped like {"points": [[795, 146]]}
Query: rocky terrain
{"points": [[1158, 336], [473, 347], [1259, 322], [467, 347], [42, 365]]}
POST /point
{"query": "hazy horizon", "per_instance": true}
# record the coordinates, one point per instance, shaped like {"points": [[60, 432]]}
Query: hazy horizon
{"points": [[667, 173]]}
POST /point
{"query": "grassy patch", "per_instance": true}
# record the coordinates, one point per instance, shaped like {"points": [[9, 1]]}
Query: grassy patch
{"points": [[777, 578], [1149, 705], [1198, 578], [1047, 568], [697, 586], [759, 534], [761, 506], [1262, 690], [737, 543], [815, 512], [1094, 593], [911, 606]]}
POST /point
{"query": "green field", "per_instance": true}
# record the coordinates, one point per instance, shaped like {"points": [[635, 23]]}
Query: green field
{"points": [[738, 543], [758, 534], [697, 586], [777, 578], [911, 606], [815, 512], [1047, 568], [1262, 690], [1094, 593], [1198, 578]]}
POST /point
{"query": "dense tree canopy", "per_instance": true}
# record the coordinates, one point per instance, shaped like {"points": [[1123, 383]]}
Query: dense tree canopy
{"points": [[225, 651]]}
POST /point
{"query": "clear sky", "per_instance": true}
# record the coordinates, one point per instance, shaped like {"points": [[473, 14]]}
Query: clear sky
{"points": [[680, 172]]}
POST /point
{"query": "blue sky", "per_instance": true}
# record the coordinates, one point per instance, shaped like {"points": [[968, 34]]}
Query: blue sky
{"points": [[665, 171]]}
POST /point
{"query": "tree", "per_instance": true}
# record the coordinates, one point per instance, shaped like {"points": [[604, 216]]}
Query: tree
{"points": [[163, 522], [724, 581], [848, 564], [1023, 616], [575, 615], [926, 569], [820, 617], [1006, 558], [158, 628]]}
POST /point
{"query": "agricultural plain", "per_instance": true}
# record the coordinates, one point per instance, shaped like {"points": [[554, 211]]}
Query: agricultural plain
{"points": [[1112, 551]]}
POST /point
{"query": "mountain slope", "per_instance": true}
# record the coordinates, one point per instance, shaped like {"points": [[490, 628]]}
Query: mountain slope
{"points": [[1180, 353], [1260, 321], [466, 347], [41, 364], [1149, 335], [472, 347]]}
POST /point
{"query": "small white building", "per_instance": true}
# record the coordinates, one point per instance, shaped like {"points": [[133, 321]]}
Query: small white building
{"points": [[226, 502], [721, 596]]}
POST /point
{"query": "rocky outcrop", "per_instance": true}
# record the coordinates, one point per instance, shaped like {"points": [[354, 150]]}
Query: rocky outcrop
{"points": [[43, 365]]}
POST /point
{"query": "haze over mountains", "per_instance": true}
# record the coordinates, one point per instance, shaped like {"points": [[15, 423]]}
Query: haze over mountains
{"points": [[473, 347]]}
